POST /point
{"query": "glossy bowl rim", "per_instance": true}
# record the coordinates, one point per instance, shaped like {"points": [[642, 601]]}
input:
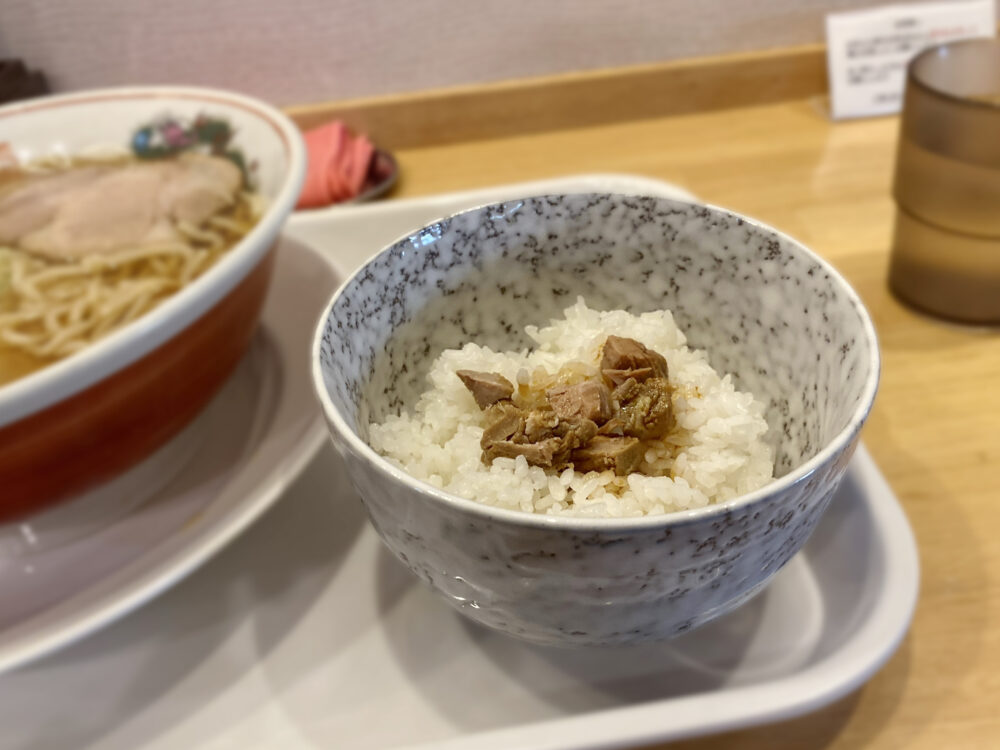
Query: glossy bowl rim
{"points": [[71, 375], [840, 442]]}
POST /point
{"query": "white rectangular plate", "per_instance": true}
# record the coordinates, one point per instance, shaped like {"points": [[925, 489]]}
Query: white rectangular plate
{"points": [[306, 633]]}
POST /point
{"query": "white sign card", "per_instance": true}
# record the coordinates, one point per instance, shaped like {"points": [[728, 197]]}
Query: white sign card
{"points": [[867, 51]]}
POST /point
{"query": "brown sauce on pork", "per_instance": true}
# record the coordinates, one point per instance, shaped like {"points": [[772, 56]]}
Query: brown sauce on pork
{"points": [[592, 425]]}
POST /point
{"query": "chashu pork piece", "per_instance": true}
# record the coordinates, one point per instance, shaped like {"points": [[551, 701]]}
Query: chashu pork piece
{"points": [[199, 187], [116, 209], [32, 202], [486, 387]]}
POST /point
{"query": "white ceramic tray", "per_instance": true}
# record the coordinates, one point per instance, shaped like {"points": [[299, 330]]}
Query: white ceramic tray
{"points": [[306, 633]]}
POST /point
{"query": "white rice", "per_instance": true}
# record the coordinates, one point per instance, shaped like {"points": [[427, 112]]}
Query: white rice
{"points": [[715, 453]]}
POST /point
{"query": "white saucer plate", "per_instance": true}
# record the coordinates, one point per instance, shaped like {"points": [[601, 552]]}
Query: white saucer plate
{"points": [[230, 465]]}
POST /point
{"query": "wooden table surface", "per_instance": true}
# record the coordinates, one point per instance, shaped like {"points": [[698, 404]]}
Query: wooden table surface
{"points": [[935, 428]]}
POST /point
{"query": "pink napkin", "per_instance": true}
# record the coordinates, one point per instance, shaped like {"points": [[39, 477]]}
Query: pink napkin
{"points": [[338, 165]]}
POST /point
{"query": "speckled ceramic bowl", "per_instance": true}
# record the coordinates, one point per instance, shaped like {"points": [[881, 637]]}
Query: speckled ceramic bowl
{"points": [[762, 305]]}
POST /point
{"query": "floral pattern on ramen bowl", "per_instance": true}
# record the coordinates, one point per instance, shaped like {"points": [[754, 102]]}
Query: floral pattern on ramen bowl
{"points": [[169, 135]]}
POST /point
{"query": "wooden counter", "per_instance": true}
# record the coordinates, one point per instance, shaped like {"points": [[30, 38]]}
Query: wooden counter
{"points": [[935, 428]]}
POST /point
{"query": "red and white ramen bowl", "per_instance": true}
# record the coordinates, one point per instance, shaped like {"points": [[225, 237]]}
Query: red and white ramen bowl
{"points": [[85, 419]]}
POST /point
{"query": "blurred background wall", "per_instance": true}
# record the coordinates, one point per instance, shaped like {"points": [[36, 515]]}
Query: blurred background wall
{"points": [[298, 51]]}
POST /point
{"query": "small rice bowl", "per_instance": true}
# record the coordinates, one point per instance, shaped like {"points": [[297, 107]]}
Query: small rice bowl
{"points": [[716, 452]]}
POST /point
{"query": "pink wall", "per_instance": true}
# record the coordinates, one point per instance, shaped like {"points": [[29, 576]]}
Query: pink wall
{"points": [[311, 50]]}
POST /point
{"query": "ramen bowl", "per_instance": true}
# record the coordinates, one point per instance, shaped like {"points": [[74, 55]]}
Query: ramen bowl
{"points": [[80, 421], [761, 305]]}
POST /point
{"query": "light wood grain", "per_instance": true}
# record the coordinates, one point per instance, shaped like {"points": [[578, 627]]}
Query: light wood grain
{"points": [[935, 428], [578, 99]]}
